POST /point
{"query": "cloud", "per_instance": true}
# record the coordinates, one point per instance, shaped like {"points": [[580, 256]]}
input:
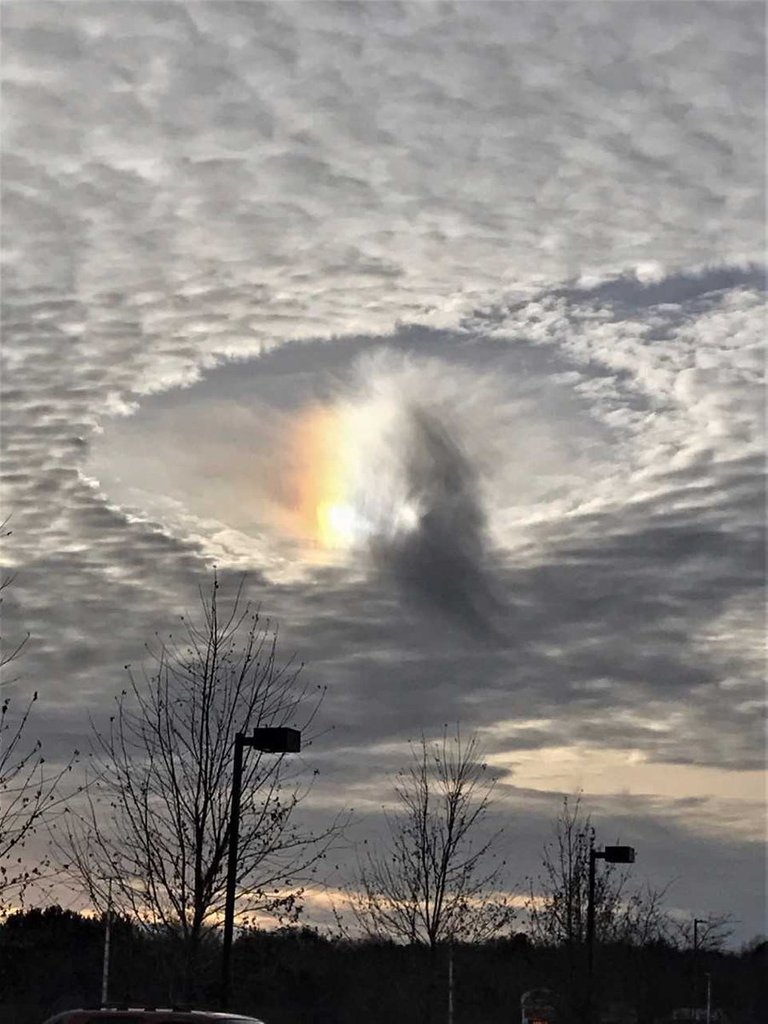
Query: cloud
{"points": [[553, 213], [443, 558], [613, 561]]}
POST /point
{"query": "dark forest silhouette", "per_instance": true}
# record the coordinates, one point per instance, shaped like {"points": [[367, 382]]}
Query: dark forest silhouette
{"points": [[51, 959]]}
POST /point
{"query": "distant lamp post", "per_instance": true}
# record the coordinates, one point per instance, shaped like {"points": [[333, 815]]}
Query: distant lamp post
{"points": [[611, 855], [269, 741]]}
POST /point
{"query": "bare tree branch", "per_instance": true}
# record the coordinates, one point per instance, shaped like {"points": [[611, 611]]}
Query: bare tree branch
{"points": [[557, 900], [712, 932], [156, 818], [435, 881], [29, 791]]}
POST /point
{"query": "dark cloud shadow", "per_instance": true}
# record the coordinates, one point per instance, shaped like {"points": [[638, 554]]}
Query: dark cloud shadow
{"points": [[443, 562], [629, 295]]}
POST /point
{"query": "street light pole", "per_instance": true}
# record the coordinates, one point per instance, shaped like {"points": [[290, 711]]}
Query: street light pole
{"points": [[611, 855], [593, 856], [229, 902], [450, 981], [107, 946], [268, 740]]}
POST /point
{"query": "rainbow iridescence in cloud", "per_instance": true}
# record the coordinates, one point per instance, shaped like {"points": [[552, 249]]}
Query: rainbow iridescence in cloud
{"points": [[347, 485]]}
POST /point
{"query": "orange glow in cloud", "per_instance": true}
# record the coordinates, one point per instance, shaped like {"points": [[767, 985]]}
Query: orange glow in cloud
{"points": [[321, 509], [345, 484]]}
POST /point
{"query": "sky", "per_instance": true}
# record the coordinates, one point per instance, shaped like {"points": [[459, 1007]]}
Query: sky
{"points": [[444, 322]]}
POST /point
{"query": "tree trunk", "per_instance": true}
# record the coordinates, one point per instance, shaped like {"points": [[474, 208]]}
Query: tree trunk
{"points": [[191, 967]]}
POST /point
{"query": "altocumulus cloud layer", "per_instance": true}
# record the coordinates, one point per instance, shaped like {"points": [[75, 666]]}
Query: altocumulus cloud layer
{"points": [[534, 231]]}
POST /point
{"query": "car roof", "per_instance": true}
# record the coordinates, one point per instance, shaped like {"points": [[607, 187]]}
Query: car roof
{"points": [[163, 1015]]}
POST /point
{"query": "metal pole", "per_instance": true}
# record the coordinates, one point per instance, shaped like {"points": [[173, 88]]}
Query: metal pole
{"points": [[229, 904], [450, 982], [590, 927], [107, 942]]}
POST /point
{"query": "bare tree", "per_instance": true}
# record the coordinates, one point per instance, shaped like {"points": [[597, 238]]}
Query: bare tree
{"points": [[709, 935], [29, 794], [643, 919], [557, 903], [157, 816], [557, 900], [29, 791], [436, 880], [8, 653]]}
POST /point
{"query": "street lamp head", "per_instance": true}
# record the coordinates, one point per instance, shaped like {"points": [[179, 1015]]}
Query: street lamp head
{"points": [[276, 740], [619, 854]]}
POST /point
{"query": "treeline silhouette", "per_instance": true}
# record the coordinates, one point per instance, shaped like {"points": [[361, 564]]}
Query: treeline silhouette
{"points": [[51, 959]]}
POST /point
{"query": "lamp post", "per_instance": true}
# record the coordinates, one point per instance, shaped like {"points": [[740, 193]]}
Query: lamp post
{"points": [[107, 947], [451, 981], [611, 855], [270, 741]]}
